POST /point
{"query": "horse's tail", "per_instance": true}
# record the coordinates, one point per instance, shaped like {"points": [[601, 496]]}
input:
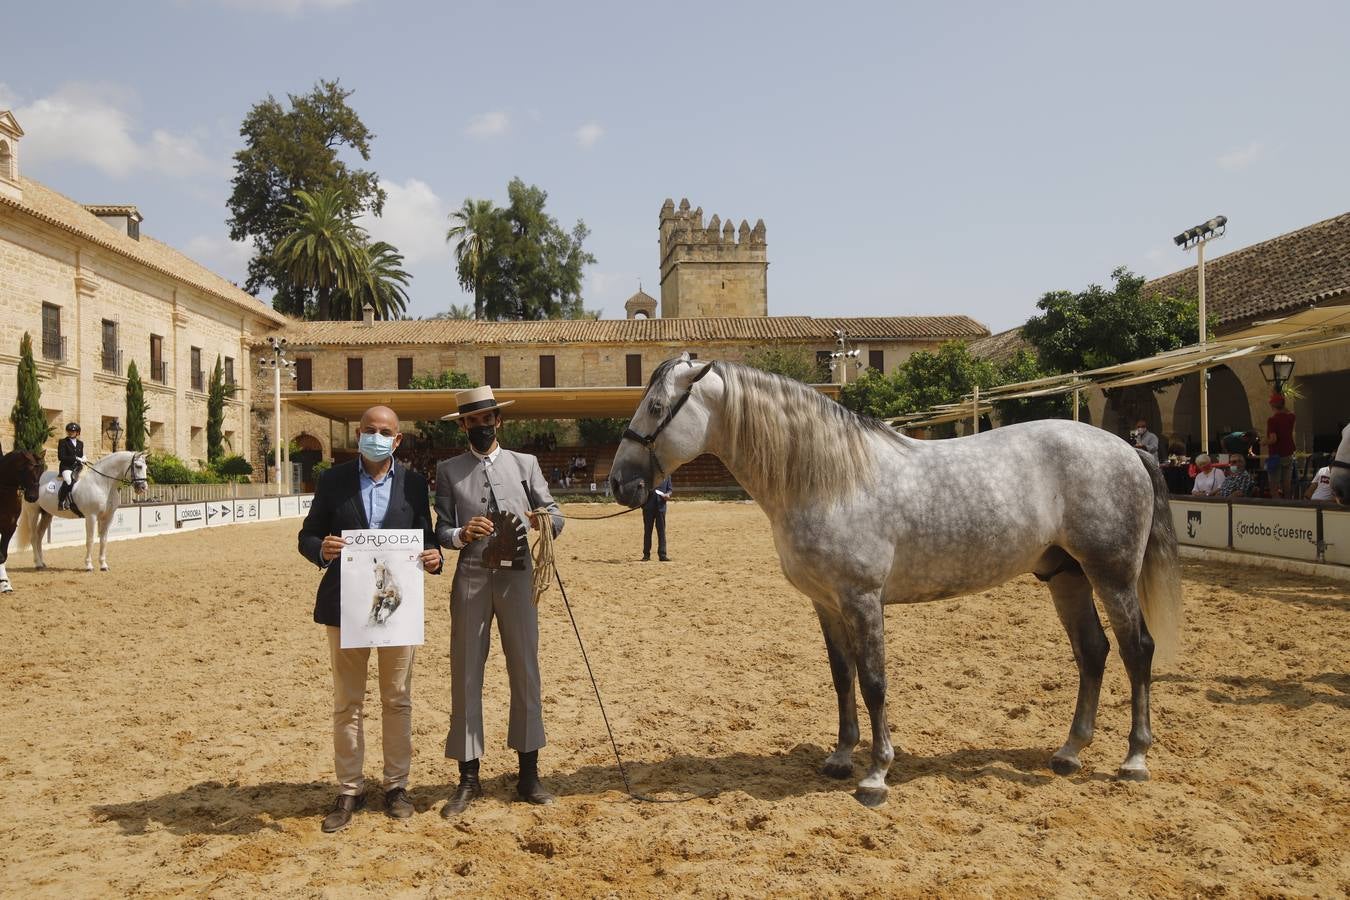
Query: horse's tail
{"points": [[24, 536], [1160, 578]]}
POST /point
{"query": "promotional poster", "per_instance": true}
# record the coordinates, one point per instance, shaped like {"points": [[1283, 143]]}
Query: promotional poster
{"points": [[382, 588]]}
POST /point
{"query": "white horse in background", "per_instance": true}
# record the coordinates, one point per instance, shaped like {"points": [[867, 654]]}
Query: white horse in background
{"points": [[95, 495]]}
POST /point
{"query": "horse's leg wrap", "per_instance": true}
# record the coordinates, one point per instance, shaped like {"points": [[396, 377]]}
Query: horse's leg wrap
{"points": [[1072, 594], [839, 764]]}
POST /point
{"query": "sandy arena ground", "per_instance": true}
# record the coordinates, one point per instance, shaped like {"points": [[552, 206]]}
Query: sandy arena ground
{"points": [[165, 731]]}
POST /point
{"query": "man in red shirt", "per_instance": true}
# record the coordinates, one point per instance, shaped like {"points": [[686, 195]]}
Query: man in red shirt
{"points": [[1280, 444]]}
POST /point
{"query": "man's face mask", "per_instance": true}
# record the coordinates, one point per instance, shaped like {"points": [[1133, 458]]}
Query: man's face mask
{"points": [[482, 437]]}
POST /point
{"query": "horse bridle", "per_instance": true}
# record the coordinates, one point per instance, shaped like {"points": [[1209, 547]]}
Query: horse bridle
{"points": [[649, 440], [138, 483]]}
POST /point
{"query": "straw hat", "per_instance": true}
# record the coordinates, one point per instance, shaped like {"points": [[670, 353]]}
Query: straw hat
{"points": [[475, 400]]}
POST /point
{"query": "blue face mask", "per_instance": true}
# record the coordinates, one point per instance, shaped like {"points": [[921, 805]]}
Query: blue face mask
{"points": [[376, 447]]}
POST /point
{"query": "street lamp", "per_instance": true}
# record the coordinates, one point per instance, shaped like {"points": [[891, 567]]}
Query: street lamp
{"points": [[1277, 369], [1197, 237], [114, 432], [277, 363], [843, 357]]}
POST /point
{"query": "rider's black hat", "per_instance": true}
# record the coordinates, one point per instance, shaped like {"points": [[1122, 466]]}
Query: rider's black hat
{"points": [[73, 426]]}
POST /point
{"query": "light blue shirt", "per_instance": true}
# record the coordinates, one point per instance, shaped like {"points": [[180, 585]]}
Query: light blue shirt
{"points": [[375, 495]]}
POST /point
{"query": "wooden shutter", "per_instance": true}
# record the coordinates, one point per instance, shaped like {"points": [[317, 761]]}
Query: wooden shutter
{"points": [[356, 377], [877, 360], [492, 371], [635, 370], [304, 374], [404, 373], [547, 372]]}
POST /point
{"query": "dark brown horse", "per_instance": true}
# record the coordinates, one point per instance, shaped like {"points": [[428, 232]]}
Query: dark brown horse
{"points": [[19, 471]]}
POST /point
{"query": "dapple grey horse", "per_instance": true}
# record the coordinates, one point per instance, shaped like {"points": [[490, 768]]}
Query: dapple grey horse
{"points": [[863, 516], [96, 496], [1340, 469]]}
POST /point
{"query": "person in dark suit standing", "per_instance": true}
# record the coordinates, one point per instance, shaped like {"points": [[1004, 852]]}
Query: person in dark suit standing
{"points": [[372, 492], [654, 513], [70, 459]]}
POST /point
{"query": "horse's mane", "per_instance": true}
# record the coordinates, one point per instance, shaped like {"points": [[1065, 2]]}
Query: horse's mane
{"points": [[800, 442]]}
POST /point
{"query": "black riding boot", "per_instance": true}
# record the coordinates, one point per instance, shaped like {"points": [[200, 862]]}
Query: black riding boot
{"points": [[63, 496], [468, 791], [528, 787]]}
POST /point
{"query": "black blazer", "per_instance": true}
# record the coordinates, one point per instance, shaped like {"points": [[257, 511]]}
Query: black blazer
{"points": [[337, 506], [67, 457]]}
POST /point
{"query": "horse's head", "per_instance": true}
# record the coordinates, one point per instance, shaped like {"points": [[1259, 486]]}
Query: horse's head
{"points": [[669, 428], [30, 472], [138, 474], [1340, 469]]}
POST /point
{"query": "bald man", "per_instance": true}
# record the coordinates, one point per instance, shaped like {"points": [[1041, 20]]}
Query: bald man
{"points": [[372, 491]]}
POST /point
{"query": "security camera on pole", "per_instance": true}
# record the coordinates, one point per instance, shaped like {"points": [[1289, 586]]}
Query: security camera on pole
{"points": [[1197, 237], [843, 357], [277, 363]]}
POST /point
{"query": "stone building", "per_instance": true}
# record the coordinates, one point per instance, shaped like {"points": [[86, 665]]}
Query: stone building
{"points": [[95, 293], [717, 270]]}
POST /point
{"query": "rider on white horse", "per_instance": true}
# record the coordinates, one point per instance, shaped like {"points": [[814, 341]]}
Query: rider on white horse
{"points": [[70, 459]]}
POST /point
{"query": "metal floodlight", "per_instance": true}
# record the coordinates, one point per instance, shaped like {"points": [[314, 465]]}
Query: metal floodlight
{"points": [[1205, 231], [1277, 369]]}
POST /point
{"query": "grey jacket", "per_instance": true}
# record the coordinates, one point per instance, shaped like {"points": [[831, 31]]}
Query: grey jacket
{"points": [[461, 493]]}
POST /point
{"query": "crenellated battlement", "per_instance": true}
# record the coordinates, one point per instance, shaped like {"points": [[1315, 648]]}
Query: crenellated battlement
{"points": [[712, 269]]}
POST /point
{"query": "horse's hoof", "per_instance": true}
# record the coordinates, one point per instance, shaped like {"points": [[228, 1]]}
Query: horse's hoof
{"points": [[872, 798], [837, 770], [103, 568], [1065, 765], [1133, 774], [6, 587]]}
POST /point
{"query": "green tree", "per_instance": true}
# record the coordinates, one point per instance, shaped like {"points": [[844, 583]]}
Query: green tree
{"points": [[31, 428], [1098, 327], [286, 150], [136, 409], [215, 414], [474, 235], [871, 394], [529, 267], [379, 280], [1025, 366], [456, 311], [438, 433], [792, 362], [600, 432], [323, 250], [926, 379]]}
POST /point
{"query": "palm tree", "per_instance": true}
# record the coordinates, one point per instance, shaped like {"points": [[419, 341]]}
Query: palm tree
{"points": [[380, 281], [322, 250], [473, 234]]}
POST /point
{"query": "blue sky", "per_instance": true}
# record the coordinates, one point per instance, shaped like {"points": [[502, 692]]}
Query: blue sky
{"points": [[906, 158]]}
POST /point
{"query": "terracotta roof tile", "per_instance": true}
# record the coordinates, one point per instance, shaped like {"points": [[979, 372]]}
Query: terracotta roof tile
{"points": [[47, 205], [633, 331], [1280, 275], [1001, 347]]}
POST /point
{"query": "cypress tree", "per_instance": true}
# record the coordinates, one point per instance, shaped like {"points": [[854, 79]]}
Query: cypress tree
{"points": [[136, 409], [215, 414], [31, 429]]}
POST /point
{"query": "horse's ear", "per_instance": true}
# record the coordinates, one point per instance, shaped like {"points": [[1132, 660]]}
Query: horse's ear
{"points": [[685, 357], [685, 375]]}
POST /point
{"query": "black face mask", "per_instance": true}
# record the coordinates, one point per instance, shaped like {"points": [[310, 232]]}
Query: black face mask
{"points": [[482, 437]]}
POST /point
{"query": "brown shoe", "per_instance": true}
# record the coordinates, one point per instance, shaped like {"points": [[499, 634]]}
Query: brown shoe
{"points": [[468, 791], [341, 816], [397, 804]]}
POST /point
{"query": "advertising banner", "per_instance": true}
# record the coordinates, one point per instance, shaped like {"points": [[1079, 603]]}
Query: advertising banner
{"points": [[269, 508], [1200, 524], [190, 515], [290, 506], [246, 510], [1336, 533], [306, 501], [220, 512], [65, 531], [124, 522], [156, 519], [382, 588], [1275, 531]]}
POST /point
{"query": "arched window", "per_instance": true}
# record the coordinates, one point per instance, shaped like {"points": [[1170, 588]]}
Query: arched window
{"points": [[6, 161]]}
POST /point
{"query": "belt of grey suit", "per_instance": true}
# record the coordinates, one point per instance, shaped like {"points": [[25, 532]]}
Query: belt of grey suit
{"points": [[480, 594]]}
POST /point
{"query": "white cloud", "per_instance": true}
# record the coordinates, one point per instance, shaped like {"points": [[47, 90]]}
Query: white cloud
{"points": [[488, 125], [414, 220], [288, 7], [90, 124], [587, 135], [225, 257], [1241, 158]]}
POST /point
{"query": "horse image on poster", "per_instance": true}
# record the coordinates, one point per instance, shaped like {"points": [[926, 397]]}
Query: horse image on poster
{"points": [[94, 495], [387, 596], [863, 516]]}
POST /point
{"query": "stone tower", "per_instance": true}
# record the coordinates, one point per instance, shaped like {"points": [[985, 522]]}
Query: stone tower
{"points": [[717, 270]]}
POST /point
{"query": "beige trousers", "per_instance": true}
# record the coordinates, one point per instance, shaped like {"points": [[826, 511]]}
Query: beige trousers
{"points": [[349, 695]]}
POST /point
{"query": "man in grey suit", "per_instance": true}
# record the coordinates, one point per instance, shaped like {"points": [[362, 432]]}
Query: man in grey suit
{"points": [[469, 489]]}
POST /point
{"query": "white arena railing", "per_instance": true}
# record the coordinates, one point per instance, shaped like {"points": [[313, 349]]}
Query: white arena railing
{"points": [[196, 493]]}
